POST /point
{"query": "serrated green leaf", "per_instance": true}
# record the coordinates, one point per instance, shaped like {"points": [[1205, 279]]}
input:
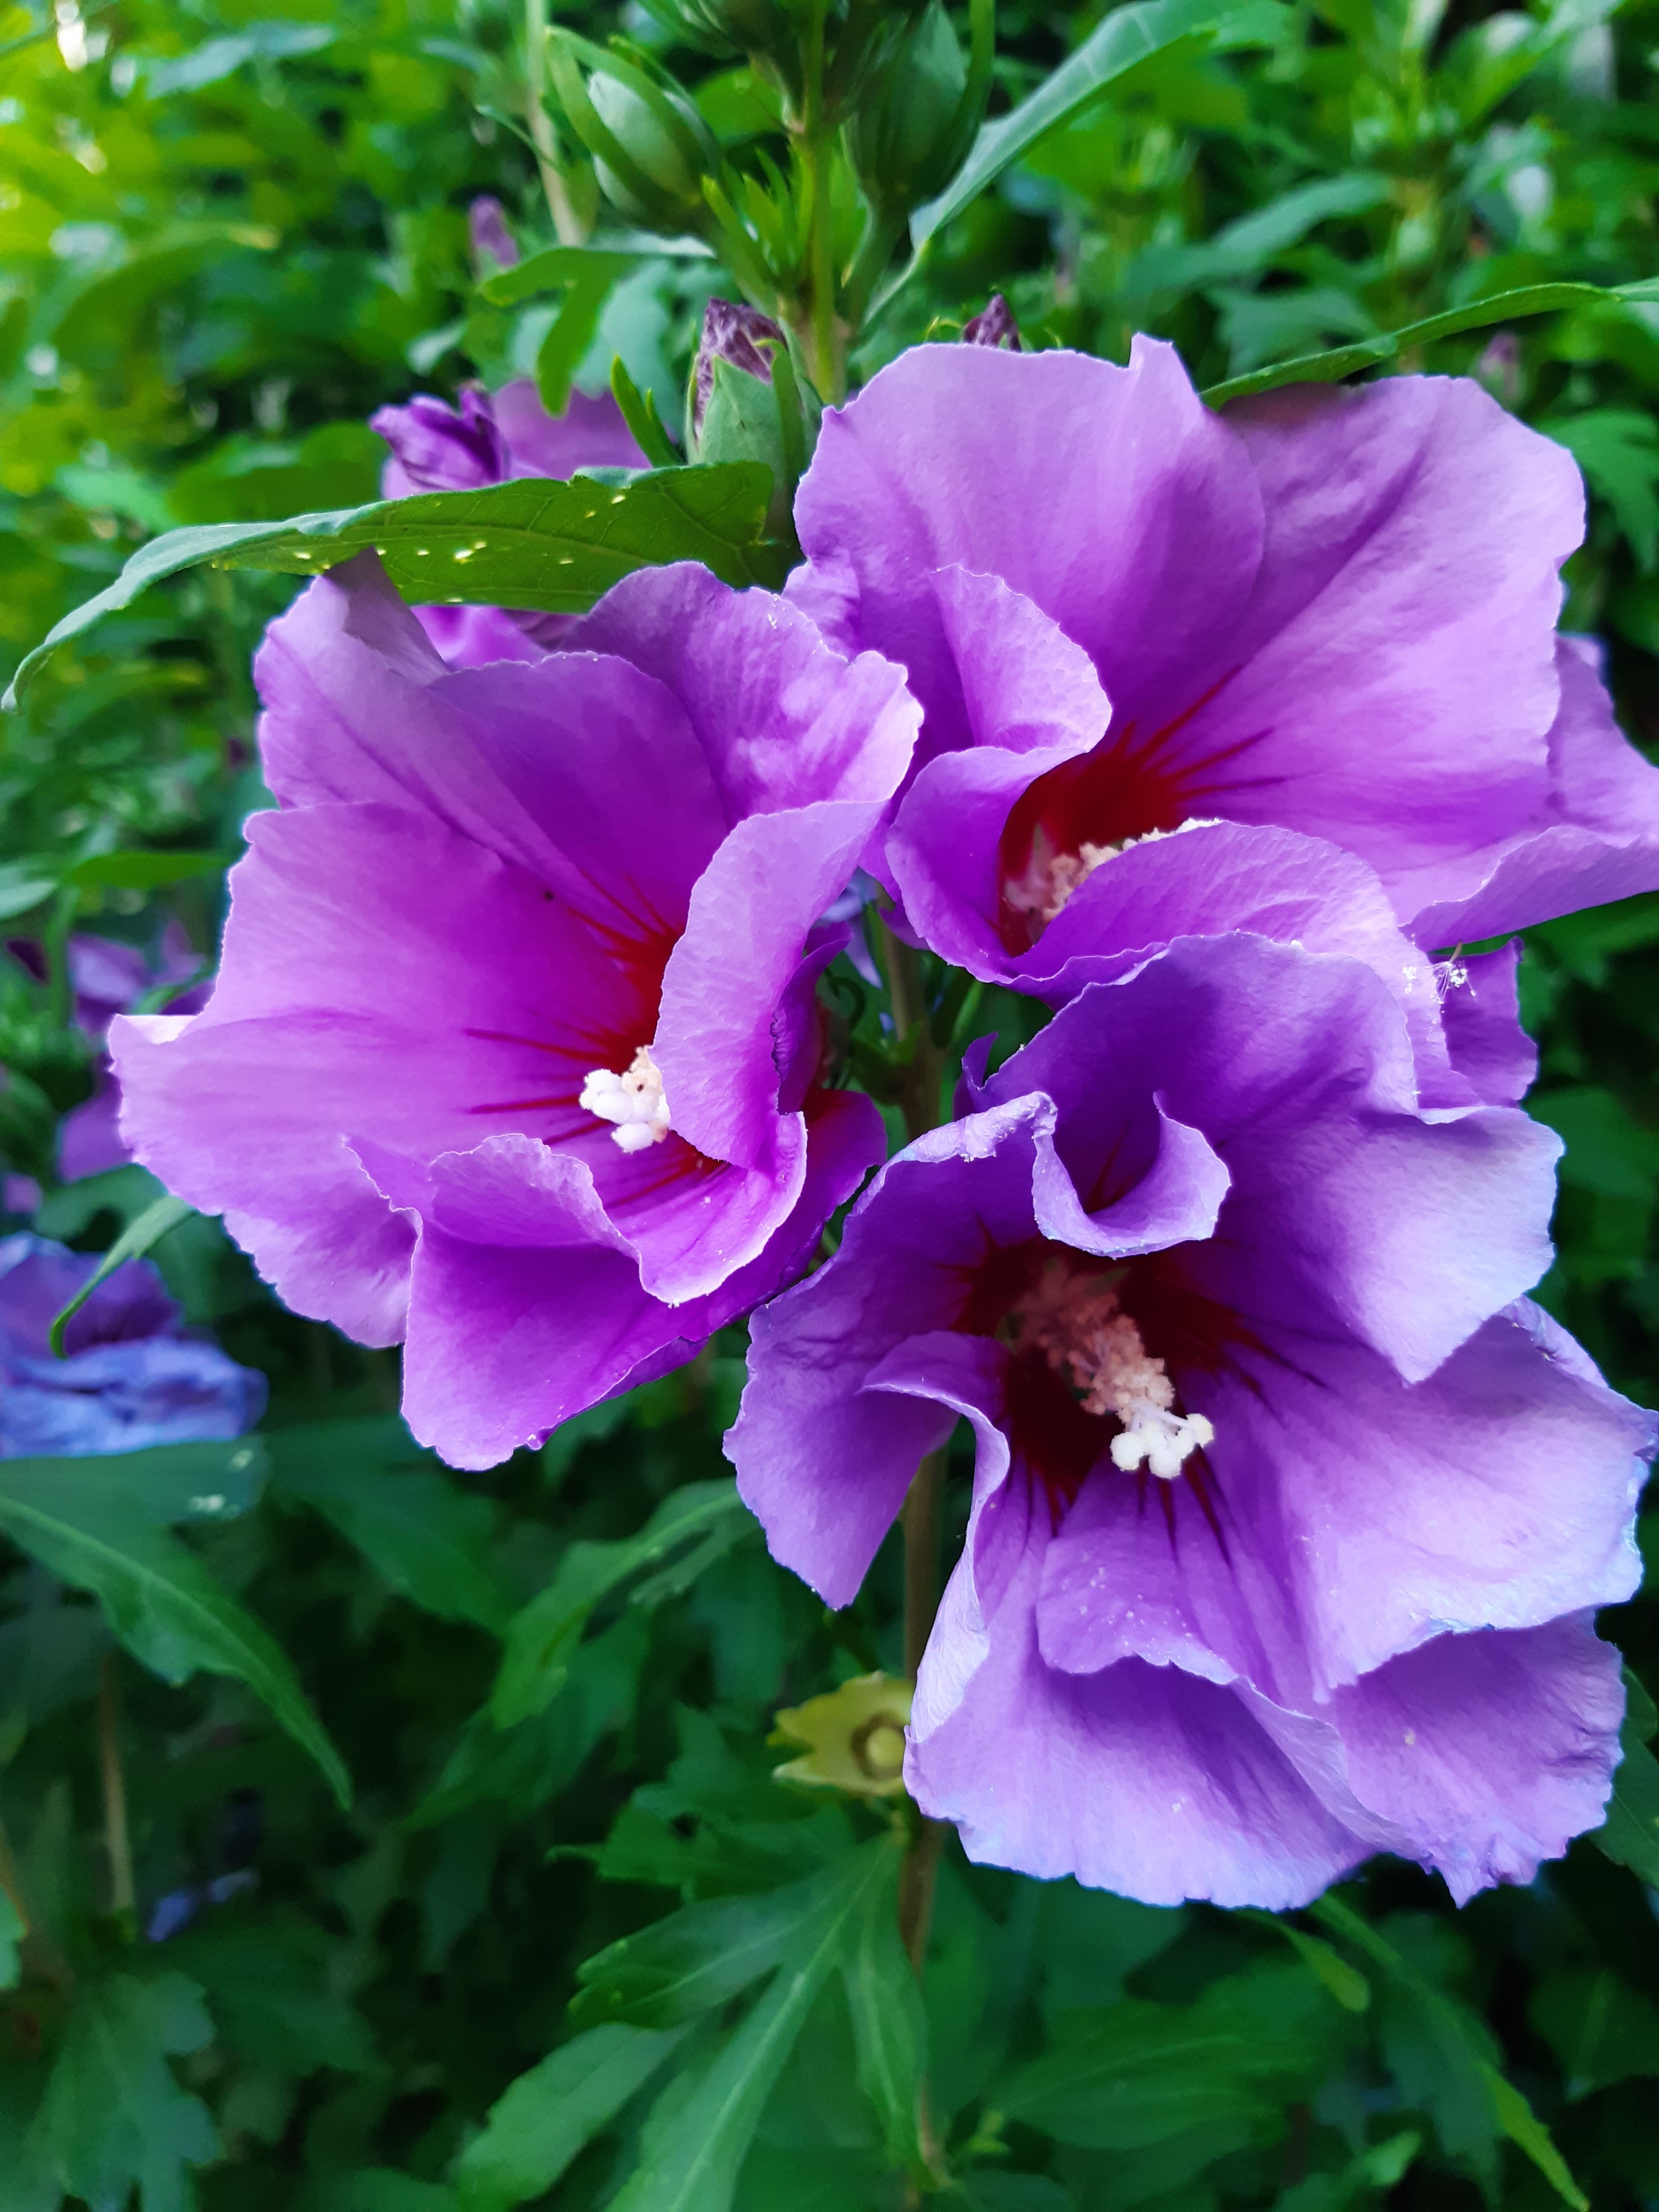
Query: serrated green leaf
{"points": [[393, 1502], [134, 1240], [694, 2143], [532, 543], [542, 1639], [114, 2117], [1510, 307], [161, 1600], [540, 2124]]}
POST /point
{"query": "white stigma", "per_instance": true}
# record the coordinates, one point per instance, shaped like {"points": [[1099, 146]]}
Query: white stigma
{"points": [[633, 1102], [1083, 1331]]}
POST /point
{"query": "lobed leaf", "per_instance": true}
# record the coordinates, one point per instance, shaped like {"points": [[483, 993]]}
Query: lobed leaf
{"points": [[695, 2142]]}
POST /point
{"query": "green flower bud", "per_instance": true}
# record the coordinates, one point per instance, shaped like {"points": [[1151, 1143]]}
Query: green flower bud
{"points": [[910, 132], [746, 405], [650, 148]]}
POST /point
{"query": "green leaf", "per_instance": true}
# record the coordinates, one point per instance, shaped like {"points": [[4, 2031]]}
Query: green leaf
{"points": [[24, 885], [532, 543], [556, 266], [1629, 1834], [166, 1212], [268, 1989], [889, 2025], [393, 1502], [13, 1928], [698, 1959], [542, 1639], [694, 2143], [551, 2113], [569, 337], [1128, 37], [1136, 2073], [1617, 450], [114, 2117], [1600, 2029], [1345, 1983], [206, 1482], [1442, 2056], [161, 1600], [1372, 353], [145, 872]]}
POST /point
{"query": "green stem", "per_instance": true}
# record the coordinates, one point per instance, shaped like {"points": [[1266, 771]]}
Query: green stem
{"points": [[118, 1840], [566, 221], [825, 352], [919, 1103]]}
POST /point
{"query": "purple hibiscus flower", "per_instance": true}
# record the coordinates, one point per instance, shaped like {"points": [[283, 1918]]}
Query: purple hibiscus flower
{"points": [[133, 1375], [491, 437], [1290, 1512], [1317, 628], [514, 1050]]}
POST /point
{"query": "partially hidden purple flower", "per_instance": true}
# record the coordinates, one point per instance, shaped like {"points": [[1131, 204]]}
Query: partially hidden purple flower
{"points": [[1290, 1510], [1325, 619], [109, 978], [490, 437], [493, 244], [515, 1052], [133, 1375]]}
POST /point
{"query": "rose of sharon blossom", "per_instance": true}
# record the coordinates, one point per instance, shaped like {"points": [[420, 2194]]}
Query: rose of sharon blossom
{"points": [[1326, 614], [491, 437], [513, 1052], [1290, 1512], [133, 1377]]}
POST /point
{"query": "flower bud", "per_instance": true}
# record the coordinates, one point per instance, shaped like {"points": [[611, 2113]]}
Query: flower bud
{"points": [[994, 325], [746, 405], [493, 244], [650, 148], [909, 133]]}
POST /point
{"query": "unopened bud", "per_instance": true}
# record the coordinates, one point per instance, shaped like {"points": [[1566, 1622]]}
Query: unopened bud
{"points": [[745, 403], [910, 131], [434, 447], [650, 148], [994, 325], [733, 332], [493, 244]]}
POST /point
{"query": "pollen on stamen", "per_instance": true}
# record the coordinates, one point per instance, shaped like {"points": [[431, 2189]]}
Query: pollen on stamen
{"points": [[1082, 1329], [633, 1102], [1051, 878]]}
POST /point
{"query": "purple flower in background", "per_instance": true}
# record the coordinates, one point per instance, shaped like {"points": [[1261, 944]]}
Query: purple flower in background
{"points": [[514, 1049], [488, 439], [493, 244], [1327, 614], [1291, 1511], [109, 978], [133, 1375]]}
